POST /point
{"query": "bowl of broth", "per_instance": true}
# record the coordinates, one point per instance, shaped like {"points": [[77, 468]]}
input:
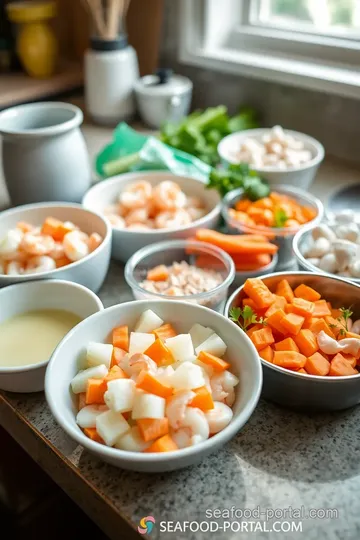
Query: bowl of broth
{"points": [[34, 317]]}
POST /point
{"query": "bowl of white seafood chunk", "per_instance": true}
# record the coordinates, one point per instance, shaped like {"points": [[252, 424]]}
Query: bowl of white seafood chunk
{"points": [[154, 385]]}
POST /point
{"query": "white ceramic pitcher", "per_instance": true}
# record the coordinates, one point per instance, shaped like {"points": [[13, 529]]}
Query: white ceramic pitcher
{"points": [[44, 153]]}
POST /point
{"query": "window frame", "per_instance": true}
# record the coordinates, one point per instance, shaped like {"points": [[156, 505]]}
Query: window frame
{"points": [[321, 62]]}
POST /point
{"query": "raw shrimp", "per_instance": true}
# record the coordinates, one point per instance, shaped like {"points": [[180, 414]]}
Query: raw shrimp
{"points": [[37, 244], [10, 242], [14, 268], [176, 407], [138, 227], [328, 345], [116, 221], [196, 213], [218, 417], [138, 362], [94, 241], [170, 220], [139, 215], [222, 386], [57, 252], [168, 196], [75, 245], [194, 202], [136, 195], [41, 263], [24, 227], [194, 428]]}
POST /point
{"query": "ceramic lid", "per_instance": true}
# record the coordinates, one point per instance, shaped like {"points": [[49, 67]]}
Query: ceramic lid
{"points": [[163, 83]]}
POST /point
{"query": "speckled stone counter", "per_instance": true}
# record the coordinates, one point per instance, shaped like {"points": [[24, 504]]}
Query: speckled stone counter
{"points": [[280, 459]]}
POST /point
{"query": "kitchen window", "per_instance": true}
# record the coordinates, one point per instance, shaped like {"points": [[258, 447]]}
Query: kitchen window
{"points": [[312, 44]]}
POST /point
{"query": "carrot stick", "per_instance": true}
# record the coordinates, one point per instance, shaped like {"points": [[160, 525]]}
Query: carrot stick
{"points": [[120, 337], [153, 428], [234, 243], [218, 364], [152, 385]]}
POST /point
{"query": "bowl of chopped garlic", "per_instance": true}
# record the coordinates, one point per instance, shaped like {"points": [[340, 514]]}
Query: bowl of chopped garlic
{"points": [[277, 155]]}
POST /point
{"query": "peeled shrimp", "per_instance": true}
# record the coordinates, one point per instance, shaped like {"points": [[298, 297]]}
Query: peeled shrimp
{"points": [[222, 386], [94, 241], [194, 202], [10, 242], [139, 215], [41, 263], [194, 428], [218, 417], [196, 213], [57, 252], [116, 221], [169, 220], [138, 362], [328, 345], [176, 407], [168, 196], [136, 195], [37, 245], [14, 268], [75, 245]]}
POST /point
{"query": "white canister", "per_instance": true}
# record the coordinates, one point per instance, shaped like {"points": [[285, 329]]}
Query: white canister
{"points": [[162, 98], [111, 70]]}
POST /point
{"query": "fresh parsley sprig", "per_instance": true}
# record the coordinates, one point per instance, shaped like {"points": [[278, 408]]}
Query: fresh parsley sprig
{"points": [[343, 320], [245, 316]]}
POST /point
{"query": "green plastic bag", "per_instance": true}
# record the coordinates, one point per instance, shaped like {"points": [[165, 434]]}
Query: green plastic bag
{"points": [[132, 151]]}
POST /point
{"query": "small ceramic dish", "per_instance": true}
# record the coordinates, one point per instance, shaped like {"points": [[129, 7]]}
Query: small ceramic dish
{"points": [[37, 295]]}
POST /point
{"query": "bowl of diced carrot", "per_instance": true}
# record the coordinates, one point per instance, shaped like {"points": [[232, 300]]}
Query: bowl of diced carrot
{"points": [[154, 385], [301, 325], [277, 217]]}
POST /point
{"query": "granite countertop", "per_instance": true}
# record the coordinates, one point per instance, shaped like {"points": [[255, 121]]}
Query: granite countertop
{"points": [[280, 459]]}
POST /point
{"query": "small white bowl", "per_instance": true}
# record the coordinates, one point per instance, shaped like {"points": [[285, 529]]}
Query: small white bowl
{"points": [[300, 177], [64, 363], [34, 295], [89, 271], [126, 243]]}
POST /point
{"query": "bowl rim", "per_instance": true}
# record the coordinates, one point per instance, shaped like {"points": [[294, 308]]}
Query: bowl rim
{"points": [[317, 146], [139, 457], [39, 283], [326, 379], [136, 258], [306, 197], [34, 206], [120, 178]]}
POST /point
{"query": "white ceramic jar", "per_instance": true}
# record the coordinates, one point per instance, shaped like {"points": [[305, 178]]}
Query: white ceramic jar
{"points": [[44, 153], [111, 70]]}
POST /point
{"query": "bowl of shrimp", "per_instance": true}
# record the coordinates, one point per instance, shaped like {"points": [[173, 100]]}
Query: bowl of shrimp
{"points": [[148, 207], [54, 240], [153, 386]]}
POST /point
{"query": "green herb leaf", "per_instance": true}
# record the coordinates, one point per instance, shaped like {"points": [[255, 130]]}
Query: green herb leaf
{"points": [[280, 218], [245, 317], [235, 314], [344, 318]]}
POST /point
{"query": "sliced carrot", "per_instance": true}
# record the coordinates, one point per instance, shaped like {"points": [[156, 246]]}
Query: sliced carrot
{"points": [[279, 303], [349, 358], [93, 435], [250, 303], [24, 226], [265, 203], [336, 313], [163, 444], [307, 293], [308, 322], [263, 260], [120, 337], [307, 342], [302, 370], [292, 323], [147, 382], [303, 307], [218, 364], [340, 367], [289, 359], [352, 335], [115, 373], [159, 273], [283, 289], [235, 243], [335, 326], [267, 354], [95, 391], [258, 292], [62, 261], [275, 320], [164, 332], [160, 353], [153, 428], [81, 400], [287, 344], [321, 309], [320, 324], [253, 329], [55, 228], [117, 355], [242, 205], [262, 338], [203, 399]]}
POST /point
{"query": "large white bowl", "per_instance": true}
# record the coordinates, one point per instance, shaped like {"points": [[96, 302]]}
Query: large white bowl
{"points": [[126, 243], [300, 177], [34, 295], [89, 271], [64, 364]]}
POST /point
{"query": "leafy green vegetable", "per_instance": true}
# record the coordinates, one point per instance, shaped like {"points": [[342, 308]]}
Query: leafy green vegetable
{"points": [[343, 320], [280, 218], [245, 317], [239, 176]]}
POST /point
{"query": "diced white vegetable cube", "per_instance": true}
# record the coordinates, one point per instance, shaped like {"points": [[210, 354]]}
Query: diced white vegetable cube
{"points": [[99, 353], [188, 376], [148, 322], [110, 426], [132, 441], [120, 394], [181, 347], [199, 334], [148, 406], [213, 345], [86, 417], [79, 382], [139, 342]]}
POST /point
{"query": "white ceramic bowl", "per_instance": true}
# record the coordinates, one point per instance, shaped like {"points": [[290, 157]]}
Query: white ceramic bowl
{"points": [[300, 177], [65, 361], [34, 295], [126, 243], [89, 271]]}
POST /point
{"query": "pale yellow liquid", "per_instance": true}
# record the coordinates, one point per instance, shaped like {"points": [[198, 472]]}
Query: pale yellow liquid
{"points": [[30, 338]]}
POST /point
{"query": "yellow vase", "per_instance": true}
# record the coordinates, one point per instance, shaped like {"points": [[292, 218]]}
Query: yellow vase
{"points": [[36, 43]]}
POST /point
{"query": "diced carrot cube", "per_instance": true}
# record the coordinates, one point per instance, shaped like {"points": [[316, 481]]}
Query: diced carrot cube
{"points": [[307, 342], [93, 435], [287, 344], [340, 367], [267, 354], [303, 307], [307, 323], [349, 358], [262, 338], [317, 364], [254, 328], [302, 370], [164, 332], [218, 364], [153, 428], [120, 337], [289, 359], [256, 289], [279, 303], [159, 273], [283, 289], [95, 391], [321, 309], [203, 399], [319, 325], [307, 293], [160, 353], [115, 373], [117, 356], [292, 323], [275, 320], [163, 444], [336, 313], [335, 325], [149, 383]]}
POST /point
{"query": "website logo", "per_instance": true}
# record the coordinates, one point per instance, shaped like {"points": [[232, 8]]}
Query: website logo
{"points": [[146, 525]]}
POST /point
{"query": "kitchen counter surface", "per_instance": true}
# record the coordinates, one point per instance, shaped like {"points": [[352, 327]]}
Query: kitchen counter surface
{"points": [[281, 458]]}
